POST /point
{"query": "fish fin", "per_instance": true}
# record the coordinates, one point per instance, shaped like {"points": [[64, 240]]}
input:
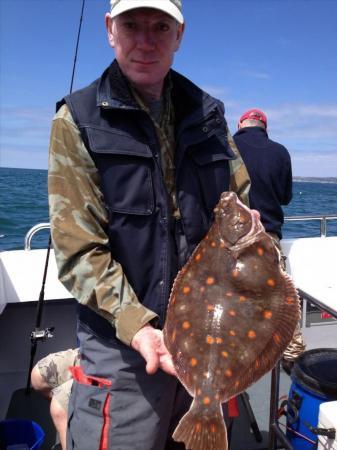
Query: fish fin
{"points": [[199, 429]]}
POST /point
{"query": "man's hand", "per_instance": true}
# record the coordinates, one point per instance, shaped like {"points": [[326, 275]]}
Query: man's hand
{"points": [[149, 342], [256, 214]]}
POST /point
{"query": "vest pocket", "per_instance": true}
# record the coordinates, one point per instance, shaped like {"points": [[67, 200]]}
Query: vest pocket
{"points": [[127, 185], [125, 166]]}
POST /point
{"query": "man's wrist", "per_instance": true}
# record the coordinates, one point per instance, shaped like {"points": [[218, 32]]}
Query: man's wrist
{"points": [[131, 320]]}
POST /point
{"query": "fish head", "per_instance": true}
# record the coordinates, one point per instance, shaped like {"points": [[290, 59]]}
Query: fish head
{"points": [[234, 219]]}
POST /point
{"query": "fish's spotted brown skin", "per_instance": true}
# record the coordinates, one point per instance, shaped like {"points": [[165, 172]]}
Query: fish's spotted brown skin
{"points": [[232, 313]]}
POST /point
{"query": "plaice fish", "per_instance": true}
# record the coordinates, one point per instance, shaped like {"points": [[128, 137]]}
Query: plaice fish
{"points": [[231, 314]]}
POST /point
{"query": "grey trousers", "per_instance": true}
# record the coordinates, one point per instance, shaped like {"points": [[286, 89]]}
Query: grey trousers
{"points": [[143, 410]]}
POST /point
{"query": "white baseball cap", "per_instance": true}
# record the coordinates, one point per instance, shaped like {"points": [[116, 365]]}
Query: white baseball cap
{"points": [[171, 7]]}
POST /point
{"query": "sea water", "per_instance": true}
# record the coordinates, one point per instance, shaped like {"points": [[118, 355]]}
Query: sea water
{"points": [[24, 203]]}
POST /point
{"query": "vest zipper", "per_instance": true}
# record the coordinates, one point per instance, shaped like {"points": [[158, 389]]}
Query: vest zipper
{"points": [[166, 220]]}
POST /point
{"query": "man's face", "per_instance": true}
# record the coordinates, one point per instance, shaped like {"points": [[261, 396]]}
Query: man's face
{"points": [[144, 41]]}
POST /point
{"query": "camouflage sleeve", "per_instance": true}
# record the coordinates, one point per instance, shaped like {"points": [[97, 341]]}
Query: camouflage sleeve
{"points": [[78, 224], [239, 177]]}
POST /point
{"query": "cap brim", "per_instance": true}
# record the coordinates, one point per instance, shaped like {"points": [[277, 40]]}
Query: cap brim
{"points": [[167, 7]]}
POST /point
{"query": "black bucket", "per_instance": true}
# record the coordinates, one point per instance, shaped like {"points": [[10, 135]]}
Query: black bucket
{"points": [[314, 378]]}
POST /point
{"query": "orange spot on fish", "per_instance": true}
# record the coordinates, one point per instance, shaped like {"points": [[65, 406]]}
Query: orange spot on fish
{"points": [[232, 313], [198, 257], [217, 397], [186, 290], [242, 298], [222, 244], [251, 334], [173, 300], [235, 273], [219, 340], [232, 333], [237, 384], [186, 325], [210, 280], [289, 301], [213, 244], [193, 362], [197, 427], [228, 373], [277, 338], [199, 391], [213, 428], [174, 335], [271, 282], [260, 251], [224, 354], [210, 307], [267, 314], [209, 339], [202, 289], [206, 400], [257, 364]]}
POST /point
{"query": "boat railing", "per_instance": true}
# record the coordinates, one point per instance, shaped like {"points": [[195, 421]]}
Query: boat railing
{"points": [[323, 226], [35, 229], [323, 221]]}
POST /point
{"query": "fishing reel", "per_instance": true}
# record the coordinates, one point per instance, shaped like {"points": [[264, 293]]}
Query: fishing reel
{"points": [[41, 334]]}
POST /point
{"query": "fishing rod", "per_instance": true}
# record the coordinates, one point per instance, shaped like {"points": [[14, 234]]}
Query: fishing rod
{"points": [[76, 49], [39, 334]]}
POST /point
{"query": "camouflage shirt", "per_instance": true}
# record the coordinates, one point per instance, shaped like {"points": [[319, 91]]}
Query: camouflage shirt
{"points": [[165, 133], [78, 223]]}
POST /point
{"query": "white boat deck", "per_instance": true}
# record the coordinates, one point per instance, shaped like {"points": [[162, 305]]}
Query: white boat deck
{"points": [[21, 274], [312, 264], [310, 261]]}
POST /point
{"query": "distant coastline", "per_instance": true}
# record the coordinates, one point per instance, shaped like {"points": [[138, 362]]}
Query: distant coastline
{"points": [[332, 180]]}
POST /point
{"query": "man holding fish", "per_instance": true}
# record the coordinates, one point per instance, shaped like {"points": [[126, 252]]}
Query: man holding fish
{"points": [[138, 161]]}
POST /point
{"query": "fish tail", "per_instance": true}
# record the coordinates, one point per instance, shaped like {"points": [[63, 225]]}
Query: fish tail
{"points": [[199, 429]]}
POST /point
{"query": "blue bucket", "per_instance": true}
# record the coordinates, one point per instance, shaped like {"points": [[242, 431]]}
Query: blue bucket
{"points": [[314, 381], [20, 434]]}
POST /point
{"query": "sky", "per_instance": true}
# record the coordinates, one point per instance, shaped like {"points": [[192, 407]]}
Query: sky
{"points": [[276, 55]]}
